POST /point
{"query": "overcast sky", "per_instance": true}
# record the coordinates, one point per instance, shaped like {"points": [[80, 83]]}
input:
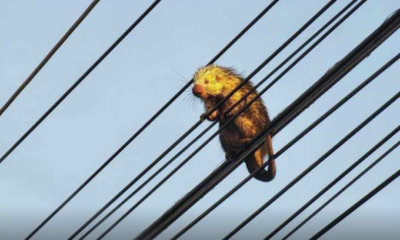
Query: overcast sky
{"points": [[142, 73]]}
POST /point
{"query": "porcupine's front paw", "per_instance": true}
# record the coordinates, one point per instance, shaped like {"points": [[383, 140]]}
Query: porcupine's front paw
{"points": [[213, 116]]}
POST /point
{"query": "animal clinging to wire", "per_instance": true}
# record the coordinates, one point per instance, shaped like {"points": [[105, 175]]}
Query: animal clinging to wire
{"points": [[213, 83]]}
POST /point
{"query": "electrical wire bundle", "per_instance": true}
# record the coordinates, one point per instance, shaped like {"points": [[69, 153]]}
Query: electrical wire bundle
{"points": [[290, 113]]}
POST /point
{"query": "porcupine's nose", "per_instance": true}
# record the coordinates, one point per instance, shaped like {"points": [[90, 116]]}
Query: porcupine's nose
{"points": [[197, 90]]}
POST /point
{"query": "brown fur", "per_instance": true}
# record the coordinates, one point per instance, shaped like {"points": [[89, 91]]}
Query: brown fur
{"points": [[211, 84]]}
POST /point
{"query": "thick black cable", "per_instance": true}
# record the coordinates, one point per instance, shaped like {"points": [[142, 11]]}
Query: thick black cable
{"points": [[206, 130], [373, 45], [356, 205], [102, 57], [159, 112], [331, 184], [48, 56], [196, 151], [287, 146], [314, 165], [342, 190], [333, 75]]}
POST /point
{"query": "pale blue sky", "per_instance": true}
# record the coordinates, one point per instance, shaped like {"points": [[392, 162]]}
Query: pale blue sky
{"points": [[145, 71]]}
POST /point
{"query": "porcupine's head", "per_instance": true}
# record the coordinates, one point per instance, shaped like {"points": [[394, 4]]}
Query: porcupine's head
{"points": [[214, 81]]}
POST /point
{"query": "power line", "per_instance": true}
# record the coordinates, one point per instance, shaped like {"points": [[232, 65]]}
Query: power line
{"points": [[185, 161], [287, 146], [342, 190], [48, 56], [102, 57], [357, 205], [126, 199], [188, 145], [380, 38], [65, 95], [330, 185]]}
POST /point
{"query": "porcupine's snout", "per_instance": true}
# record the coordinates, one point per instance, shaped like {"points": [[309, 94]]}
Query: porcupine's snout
{"points": [[198, 91]]}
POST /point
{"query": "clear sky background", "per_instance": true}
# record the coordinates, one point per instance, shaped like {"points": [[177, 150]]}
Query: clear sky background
{"points": [[148, 67]]}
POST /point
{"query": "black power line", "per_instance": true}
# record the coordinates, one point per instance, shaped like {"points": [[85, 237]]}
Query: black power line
{"points": [[48, 56], [319, 88], [365, 83], [356, 205], [342, 190], [198, 137], [186, 147], [102, 57], [330, 185], [65, 95], [148, 168], [287, 146]]}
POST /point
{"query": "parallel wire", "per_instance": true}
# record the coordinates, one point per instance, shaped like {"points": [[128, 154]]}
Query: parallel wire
{"points": [[360, 87], [48, 56], [285, 148], [330, 185], [314, 165], [196, 151], [342, 190], [181, 138], [203, 132], [356, 205], [321, 86], [102, 57], [66, 94]]}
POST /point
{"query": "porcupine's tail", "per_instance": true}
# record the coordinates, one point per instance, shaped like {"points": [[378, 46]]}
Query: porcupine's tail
{"points": [[254, 162]]}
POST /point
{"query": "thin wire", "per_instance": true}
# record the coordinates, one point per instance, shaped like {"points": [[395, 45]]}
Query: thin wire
{"points": [[287, 146], [48, 56], [180, 165], [134, 192], [65, 95], [105, 54], [373, 42], [356, 205], [342, 190], [159, 112], [336, 180], [314, 165], [332, 76]]}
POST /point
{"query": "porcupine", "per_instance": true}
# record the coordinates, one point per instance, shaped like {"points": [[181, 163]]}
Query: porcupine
{"points": [[211, 84]]}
